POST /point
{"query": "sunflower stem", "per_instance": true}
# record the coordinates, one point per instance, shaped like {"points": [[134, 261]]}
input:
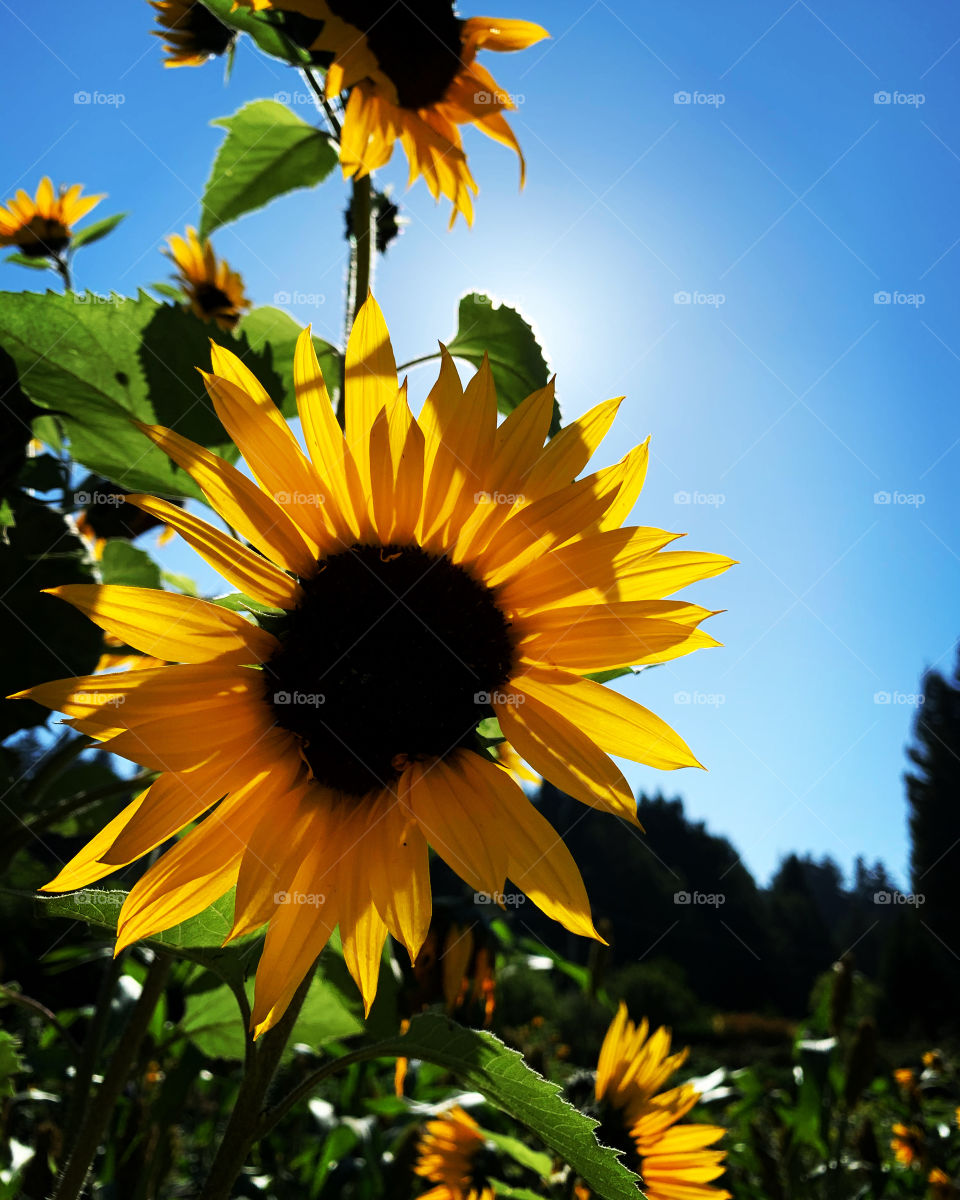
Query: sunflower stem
{"points": [[101, 1108], [322, 102], [63, 270], [244, 1127]]}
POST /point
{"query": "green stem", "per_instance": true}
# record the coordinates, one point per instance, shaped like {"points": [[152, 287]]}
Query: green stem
{"points": [[91, 1051], [243, 1128], [416, 362], [41, 1010], [63, 270], [323, 103], [306, 1086], [101, 1108], [362, 251]]}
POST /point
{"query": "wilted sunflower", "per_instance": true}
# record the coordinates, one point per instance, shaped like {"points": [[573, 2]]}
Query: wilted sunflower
{"points": [[672, 1160], [340, 737], [42, 227], [190, 31], [453, 1154], [215, 291], [413, 77]]}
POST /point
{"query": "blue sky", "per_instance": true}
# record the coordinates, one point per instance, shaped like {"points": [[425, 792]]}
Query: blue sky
{"points": [[783, 399]]}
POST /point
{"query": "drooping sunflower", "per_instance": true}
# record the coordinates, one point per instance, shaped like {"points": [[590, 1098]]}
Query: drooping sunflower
{"points": [[214, 290], [454, 1155], [191, 32], [908, 1143], [41, 227], [333, 746], [673, 1160], [413, 77]]}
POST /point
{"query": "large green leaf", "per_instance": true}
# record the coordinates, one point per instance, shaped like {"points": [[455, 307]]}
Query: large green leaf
{"points": [[98, 361], [484, 1063], [128, 565], [516, 358], [274, 333], [268, 151], [212, 1021], [198, 939]]}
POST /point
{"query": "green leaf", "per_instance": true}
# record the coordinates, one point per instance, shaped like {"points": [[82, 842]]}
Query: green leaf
{"points": [[516, 358], [238, 602], [180, 583], [96, 231], [260, 28], [273, 333], [7, 517], [534, 1160], [24, 260], [99, 361], [198, 939], [268, 151], [127, 565], [484, 1063], [11, 1064], [514, 1193]]}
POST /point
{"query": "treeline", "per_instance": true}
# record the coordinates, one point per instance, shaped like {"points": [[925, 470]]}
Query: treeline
{"points": [[688, 923]]}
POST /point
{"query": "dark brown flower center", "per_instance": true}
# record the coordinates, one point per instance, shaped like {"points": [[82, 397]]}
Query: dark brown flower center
{"points": [[43, 237], [207, 33], [416, 43], [214, 301], [392, 657]]}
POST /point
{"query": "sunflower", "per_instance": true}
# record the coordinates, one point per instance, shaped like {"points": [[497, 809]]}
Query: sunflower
{"points": [[413, 78], [339, 737], [191, 32], [42, 227], [215, 291], [941, 1186], [453, 1153], [638, 1118]]}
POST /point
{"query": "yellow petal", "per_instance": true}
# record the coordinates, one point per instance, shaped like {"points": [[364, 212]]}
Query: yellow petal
{"points": [[569, 451], [250, 511], [460, 824], [250, 572], [562, 753], [370, 378], [399, 871], [169, 626], [617, 724], [85, 867]]}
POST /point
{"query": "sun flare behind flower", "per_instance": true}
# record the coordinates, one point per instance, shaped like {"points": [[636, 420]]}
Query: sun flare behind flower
{"points": [[413, 78], [327, 748]]}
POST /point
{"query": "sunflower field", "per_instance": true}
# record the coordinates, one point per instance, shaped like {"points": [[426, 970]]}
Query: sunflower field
{"points": [[322, 873]]}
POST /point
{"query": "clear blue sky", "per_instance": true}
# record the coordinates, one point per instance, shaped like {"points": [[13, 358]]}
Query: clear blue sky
{"points": [[794, 401]]}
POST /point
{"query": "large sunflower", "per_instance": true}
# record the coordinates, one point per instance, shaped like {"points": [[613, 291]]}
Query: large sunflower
{"points": [[672, 1160], [43, 226], [214, 290], [453, 1154], [190, 31], [339, 738], [413, 78]]}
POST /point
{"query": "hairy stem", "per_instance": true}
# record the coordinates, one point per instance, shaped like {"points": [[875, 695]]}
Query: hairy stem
{"points": [[244, 1126]]}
